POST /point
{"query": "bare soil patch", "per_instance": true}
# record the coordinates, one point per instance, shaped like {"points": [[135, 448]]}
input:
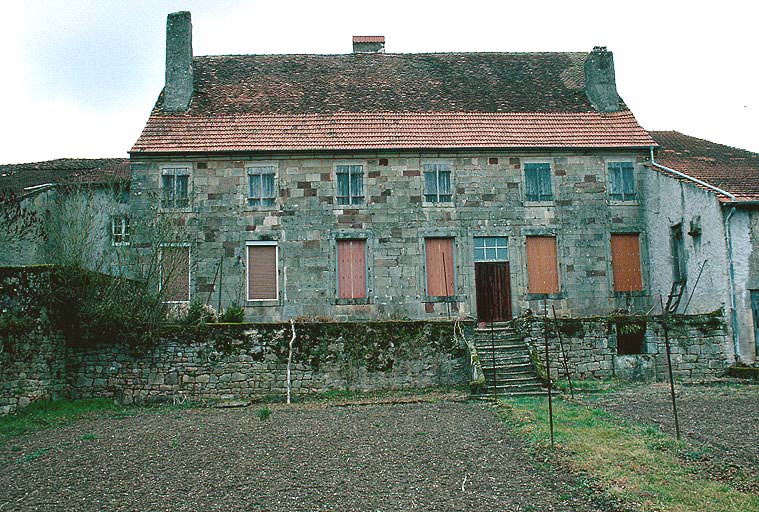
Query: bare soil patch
{"points": [[414, 456], [719, 422]]}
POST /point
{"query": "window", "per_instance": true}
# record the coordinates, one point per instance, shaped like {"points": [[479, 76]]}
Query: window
{"points": [[262, 271], [625, 262], [120, 230], [679, 271], [621, 181], [492, 248], [437, 183], [538, 181], [351, 269], [261, 186], [439, 258], [175, 187], [631, 337], [350, 184], [542, 266], [175, 273]]}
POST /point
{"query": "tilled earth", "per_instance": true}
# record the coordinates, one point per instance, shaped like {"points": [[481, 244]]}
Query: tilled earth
{"points": [[446, 455], [720, 423]]}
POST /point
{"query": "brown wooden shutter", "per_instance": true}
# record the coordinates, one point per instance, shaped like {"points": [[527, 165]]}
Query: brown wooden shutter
{"points": [[175, 274], [262, 272], [542, 266], [625, 262], [351, 269], [439, 252]]}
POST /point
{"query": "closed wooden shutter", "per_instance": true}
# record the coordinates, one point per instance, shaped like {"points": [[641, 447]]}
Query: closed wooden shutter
{"points": [[439, 252], [262, 272], [625, 262], [175, 274], [351, 269], [542, 266]]}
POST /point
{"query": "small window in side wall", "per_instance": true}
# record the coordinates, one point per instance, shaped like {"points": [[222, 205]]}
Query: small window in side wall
{"points": [[351, 269], [621, 181], [631, 338], [350, 184], [262, 271], [625, 262], [175, 273], [175, 187], [261, 186], [677, 245], [542, 265], [437, 183], [537, 178], [119, 230], [440, 269]]}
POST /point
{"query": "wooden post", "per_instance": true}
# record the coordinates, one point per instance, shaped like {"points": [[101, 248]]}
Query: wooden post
{"points": [[665, 317], [548, 368]]}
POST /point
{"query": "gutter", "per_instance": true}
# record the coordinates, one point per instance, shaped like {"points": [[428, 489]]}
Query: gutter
{"points": [[728, 243]]}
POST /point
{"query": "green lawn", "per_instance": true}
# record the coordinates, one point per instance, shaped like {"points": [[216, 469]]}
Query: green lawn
{"points": [[641, 466]]}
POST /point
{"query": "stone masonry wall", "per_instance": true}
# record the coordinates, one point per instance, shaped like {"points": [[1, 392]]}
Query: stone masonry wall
{"points": [[699, 344]]}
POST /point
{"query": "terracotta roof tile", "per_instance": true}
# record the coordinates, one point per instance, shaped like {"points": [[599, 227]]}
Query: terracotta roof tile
{"points": [[368, 39], [731, 169], [388, 130], [16, 177]]}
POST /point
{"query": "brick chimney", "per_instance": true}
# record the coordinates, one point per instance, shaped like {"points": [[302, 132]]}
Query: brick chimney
{"points": [[600, 83], [177, 92], [368, 44]]}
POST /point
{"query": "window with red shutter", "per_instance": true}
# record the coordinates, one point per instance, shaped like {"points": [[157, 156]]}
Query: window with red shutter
{"points": [[351, 269], [175, 273], [625, 262], [542, 266], [262, 271], [440, 274]]}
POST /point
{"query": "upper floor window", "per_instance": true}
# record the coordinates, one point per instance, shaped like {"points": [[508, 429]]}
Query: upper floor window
{"points": [[677, 245], [350, 184], [175, 183], [120, 230], [261, 190], [538, 181], [621, 181], [437, 183]]}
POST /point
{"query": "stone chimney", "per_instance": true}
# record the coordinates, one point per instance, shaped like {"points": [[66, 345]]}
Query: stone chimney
{"points": [[600, 84], [368, 44], [177, 92]]}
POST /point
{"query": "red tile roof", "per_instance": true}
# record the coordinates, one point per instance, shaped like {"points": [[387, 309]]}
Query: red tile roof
{"points": [[731, 169], [389, 130], [16, 177], [368, 39]]}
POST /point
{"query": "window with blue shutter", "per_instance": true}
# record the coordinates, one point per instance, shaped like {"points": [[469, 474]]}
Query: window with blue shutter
{"points": [[538, 182], [621, 181]]}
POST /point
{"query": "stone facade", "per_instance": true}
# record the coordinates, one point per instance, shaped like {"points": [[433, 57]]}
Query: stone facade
{"points": [[488, 200]]}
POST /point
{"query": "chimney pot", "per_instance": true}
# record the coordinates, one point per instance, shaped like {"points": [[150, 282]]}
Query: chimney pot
{"points": [[177, 92], [368, 44]]}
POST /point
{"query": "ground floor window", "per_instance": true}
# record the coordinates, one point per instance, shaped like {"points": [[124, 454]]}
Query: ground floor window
{"points": [[262, 274], [542, 265], [351, 269], [439, 264], [625, 262], [175, 273]]}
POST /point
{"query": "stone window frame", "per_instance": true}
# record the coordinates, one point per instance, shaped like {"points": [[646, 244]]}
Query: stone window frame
{"points": [[170, 169], [552, 181], [364, 184], [623, 200], [257, 165], [278, 254], [357, 234], [188, 245], [452, 182]]}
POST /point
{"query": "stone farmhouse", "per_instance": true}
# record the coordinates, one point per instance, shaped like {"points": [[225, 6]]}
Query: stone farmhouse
{"points": [[374, 185]]}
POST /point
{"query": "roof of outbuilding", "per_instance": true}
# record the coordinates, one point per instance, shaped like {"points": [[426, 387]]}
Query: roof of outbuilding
{"points": [[16, 177], [731, 169], [382, 101]]}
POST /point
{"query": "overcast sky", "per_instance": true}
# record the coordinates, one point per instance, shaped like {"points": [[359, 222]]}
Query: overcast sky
{"points": [[80, 76]]}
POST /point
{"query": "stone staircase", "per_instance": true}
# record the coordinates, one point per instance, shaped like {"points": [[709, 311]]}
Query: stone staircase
{"points": [[505, 361]]}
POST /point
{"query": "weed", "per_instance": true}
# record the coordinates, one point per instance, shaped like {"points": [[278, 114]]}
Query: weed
{"points": [[34, 455], [88, 437], [263, 413]]}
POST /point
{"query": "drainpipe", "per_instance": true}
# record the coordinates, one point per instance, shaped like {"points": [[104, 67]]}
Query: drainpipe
{"points": [[728, 242]]}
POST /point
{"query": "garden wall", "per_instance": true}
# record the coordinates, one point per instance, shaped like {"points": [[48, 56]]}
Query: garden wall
{"points": [[699, 347]]}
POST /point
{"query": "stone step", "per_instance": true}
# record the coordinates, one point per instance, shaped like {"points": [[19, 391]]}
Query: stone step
{"points": [[524, 379], [501, 346], [508, 365], [489, 394]]}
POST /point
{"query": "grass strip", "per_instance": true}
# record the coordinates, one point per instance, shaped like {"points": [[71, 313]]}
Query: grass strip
{"points": [[631, 463]]}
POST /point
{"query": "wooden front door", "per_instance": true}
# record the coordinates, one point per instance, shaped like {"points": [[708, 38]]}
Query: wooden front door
{"points": [[493, 283]]}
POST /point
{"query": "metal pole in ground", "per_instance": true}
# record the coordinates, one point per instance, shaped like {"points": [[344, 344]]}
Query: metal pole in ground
{"points": [[492, 357], [563, 353], [548, 369], [665, 317], [221, 281]]}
